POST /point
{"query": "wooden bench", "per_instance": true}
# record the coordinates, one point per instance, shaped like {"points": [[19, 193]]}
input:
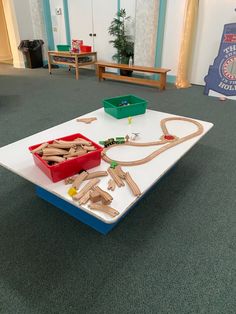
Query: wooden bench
{"points": [[161, 83]]}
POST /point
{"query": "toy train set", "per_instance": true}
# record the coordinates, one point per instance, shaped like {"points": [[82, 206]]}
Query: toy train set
{"points": [[79, 148]]}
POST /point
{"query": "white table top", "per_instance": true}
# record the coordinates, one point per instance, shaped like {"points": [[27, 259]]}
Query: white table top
{"points": [[17, 158]]}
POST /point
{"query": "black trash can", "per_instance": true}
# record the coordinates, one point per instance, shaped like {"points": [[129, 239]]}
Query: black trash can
{"points": [[32, 49]]}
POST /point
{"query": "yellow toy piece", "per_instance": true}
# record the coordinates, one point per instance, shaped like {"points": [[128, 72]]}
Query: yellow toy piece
{"points": [[130, 120], [72, 191]]}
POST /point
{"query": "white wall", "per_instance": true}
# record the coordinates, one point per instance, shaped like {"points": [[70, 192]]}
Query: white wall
{"points": [[81, 20], [130, 8], [38, 26], [212, 16], [93, 16], [23, 16], [172, 34], [102, 21], [24, 20], [58, 22]]}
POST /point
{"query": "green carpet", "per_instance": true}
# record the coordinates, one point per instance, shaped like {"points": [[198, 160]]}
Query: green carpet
{"points": [[176, 250]]}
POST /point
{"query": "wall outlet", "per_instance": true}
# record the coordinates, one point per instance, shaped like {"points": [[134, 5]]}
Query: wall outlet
{"points": [[58, 11]]}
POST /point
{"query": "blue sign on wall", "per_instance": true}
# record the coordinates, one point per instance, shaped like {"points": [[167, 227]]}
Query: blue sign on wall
{"points": [[221, 76]]}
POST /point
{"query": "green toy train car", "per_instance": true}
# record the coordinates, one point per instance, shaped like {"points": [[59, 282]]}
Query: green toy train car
{"points": [[112, 141], [120, 140]]}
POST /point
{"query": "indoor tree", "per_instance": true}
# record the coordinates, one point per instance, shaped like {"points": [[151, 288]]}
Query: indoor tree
{"points": [[122, 41]]}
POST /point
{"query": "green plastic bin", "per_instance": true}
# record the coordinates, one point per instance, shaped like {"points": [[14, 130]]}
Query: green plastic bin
{"points": [[114, 107], [63, 47]]}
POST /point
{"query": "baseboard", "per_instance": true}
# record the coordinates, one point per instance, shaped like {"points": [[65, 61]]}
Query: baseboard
{"points": [[19, 64], [171, 79]]}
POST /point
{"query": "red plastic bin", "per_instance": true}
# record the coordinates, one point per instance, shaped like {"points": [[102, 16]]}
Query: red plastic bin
{"points": [[85, 48], [69, 167]]}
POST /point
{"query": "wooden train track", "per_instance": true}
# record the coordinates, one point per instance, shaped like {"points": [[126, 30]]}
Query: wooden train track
{"points": [[166, 138]]}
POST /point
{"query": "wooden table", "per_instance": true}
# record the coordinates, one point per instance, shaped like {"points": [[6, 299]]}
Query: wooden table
{"points": [[72, 59], [161, 83]]}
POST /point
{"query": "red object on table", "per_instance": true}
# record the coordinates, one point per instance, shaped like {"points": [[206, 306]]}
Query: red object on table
{"points": [[76, 45], [85, 48], [169, 137], [69, 167]]}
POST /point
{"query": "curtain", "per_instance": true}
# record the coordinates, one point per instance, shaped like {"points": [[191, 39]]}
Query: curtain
{"points": [[5, 49], [146, 21], [190, 19]]}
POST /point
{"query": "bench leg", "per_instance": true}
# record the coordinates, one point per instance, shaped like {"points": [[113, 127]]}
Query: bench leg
{"points": [[101, 70], [162, 81]]}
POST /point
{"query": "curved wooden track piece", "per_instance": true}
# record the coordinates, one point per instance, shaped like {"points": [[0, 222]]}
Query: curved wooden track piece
{"points": [[79, 179], [85, 198], [96, 174], [115, 177], [120, 172], [106, 197], [105, 209], [133, 186], [86, 120], [111, 185], [39, 148], [169, 143], [86, 188]]}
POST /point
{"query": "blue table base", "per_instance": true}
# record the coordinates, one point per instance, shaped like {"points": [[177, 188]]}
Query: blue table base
{"points": [[74, 211], [81, 215]]}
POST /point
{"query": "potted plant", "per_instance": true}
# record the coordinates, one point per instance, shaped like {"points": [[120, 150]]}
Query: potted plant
{"points": [[122, 41]]}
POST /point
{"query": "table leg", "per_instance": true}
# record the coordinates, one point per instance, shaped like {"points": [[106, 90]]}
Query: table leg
{"points": [[95, 61], [49, 64], [76, 68]]}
